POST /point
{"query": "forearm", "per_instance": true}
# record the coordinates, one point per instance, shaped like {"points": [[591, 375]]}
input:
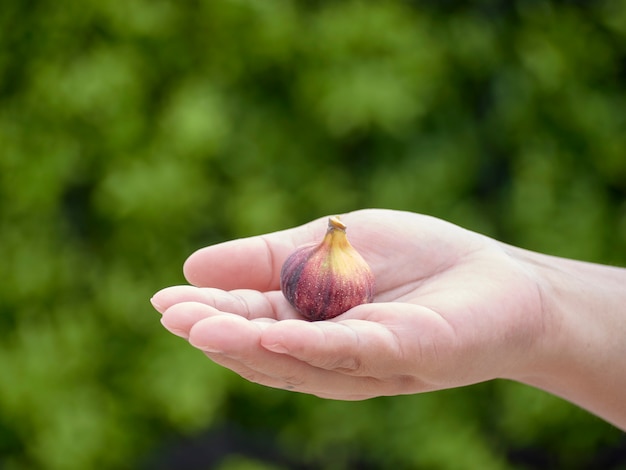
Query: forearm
{"points": [[582, 354]]}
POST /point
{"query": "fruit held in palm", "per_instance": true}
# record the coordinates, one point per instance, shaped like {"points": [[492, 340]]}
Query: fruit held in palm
{"points": [[324, 280]]}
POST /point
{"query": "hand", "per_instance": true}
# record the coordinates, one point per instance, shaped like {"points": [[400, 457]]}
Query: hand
{"points": [[452, 308]]}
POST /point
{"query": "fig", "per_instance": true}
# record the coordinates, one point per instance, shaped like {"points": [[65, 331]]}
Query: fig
{"points": [[327, 279]]}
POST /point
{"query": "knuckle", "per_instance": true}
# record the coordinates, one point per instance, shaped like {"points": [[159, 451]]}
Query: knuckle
{"points": [[254, 377], [348, 365], [293, 381]]}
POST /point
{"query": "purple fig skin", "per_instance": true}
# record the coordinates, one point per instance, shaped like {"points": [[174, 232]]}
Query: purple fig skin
{"points": [[322, 281]]}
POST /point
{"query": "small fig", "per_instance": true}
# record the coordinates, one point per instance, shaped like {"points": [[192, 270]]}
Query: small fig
{"points": [[324, 280]]}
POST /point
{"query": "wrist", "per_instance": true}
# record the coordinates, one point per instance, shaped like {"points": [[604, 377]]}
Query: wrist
{"points": [[580, 355]]}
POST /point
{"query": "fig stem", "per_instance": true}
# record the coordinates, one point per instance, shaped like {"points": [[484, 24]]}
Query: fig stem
{"points": [[335, 224]]}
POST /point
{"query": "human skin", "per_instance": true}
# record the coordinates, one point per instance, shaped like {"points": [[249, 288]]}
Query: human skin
{"points": [[452, 308]]}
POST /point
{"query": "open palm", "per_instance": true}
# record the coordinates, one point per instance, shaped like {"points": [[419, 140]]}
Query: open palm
{"points": [[452, 308]]}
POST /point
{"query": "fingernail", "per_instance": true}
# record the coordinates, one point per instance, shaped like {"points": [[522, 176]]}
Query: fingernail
{"points": [[158, 307]]}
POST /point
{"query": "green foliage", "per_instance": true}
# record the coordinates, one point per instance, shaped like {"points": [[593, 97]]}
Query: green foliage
{"points": [[133, 133]]}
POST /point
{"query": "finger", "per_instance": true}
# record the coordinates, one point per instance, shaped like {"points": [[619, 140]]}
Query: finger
{"points": [[165, 298], [381, 340], [244, 302], [179, 318], [235, 343], [291, 382], [250, 263]]}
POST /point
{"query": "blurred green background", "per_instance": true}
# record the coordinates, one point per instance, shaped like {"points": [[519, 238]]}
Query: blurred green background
{"points": [[133, 133]]}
